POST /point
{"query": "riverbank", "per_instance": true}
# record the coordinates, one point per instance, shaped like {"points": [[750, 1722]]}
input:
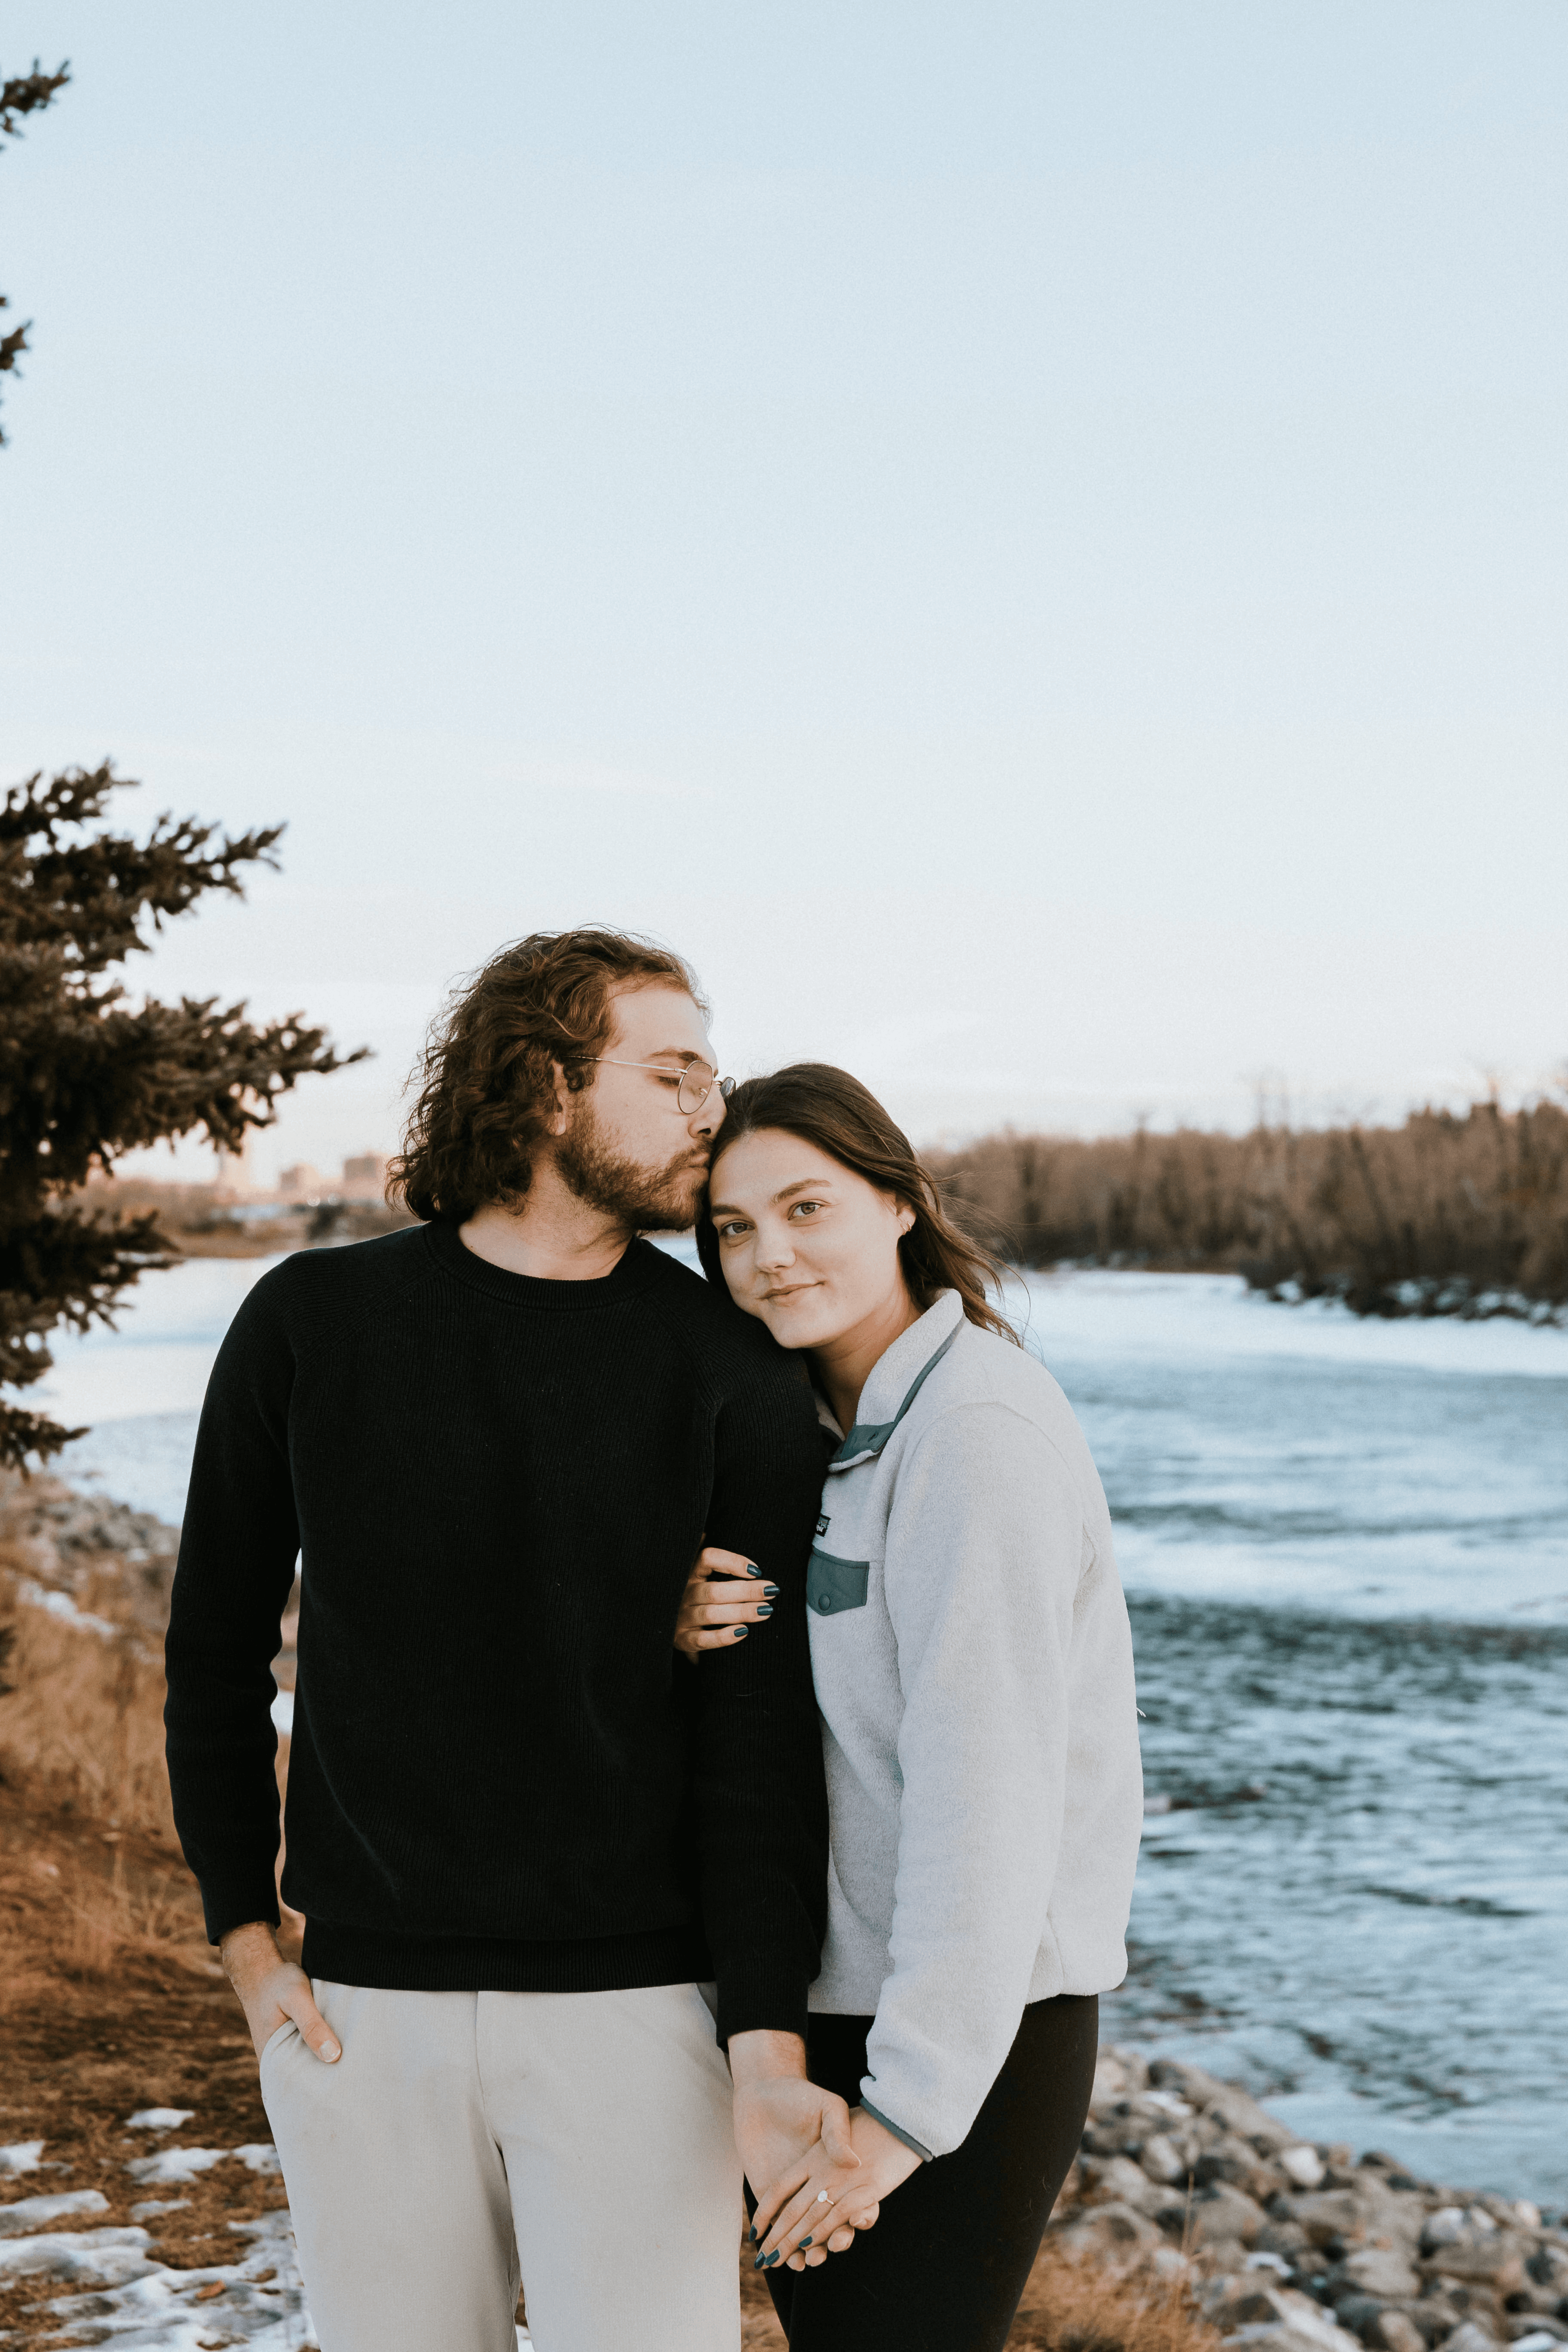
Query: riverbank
{"points": [[1446, 1214], [138, 2189]]}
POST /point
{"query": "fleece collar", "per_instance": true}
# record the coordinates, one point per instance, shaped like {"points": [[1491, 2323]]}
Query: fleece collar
{"points": [[896, 1380]]}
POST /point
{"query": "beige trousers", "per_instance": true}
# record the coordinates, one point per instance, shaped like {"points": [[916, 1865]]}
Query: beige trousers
{"points": [[583, 2137]]}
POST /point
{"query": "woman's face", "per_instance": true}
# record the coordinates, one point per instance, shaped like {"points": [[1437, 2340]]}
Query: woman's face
{"points": [[806, 1245]]}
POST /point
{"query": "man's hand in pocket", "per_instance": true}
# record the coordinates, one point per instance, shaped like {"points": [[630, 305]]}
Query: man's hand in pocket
{"points": [[274, 1991]]}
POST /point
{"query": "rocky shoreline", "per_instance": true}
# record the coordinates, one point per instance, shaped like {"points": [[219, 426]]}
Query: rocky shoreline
{"points": [[1293, 2246]]}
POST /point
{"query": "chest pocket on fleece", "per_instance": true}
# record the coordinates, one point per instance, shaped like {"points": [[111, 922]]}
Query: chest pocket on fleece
{"points": [[832, 1585]]}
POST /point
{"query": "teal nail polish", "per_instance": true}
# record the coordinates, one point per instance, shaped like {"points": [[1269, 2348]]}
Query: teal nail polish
{"points": [[769, 1592], [765, 1608], [752, 1569], [802, 2245], [772, 2260], [751, 2237]]}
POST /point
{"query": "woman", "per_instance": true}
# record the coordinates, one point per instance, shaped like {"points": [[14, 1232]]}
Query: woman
{"points": [[973, 1668]]}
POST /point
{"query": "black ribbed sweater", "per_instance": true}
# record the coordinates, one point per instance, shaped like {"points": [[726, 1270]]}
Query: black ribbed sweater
{"points": [[501, 1774]]}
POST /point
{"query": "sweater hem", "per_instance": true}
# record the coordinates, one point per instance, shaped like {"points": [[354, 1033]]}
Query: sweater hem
{"points": [[362, 1955]]}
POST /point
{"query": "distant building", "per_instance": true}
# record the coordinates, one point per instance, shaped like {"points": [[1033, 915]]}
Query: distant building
{"points": [[364, 1177], [300, 1184], [236, 1178]]}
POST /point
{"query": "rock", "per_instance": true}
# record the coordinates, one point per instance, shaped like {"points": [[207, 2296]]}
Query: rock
{"points": [[1168, 2261], [1116, 2180], [1360, 2314], [1119, 2074], [1117, 2133], [1394, 2332], [1162, 2163], [1380, 2270], [1367, 2210], [1299, 2324], [1496, 2262], [1100, 2229], [1285, 2239], [1534, 2333], [1240, 2302], [1301, 2164], [1110, 2080], [1448, 2226], [1220, 2213], [1326, 2214], [1471, 2337], [1230, 2157]]}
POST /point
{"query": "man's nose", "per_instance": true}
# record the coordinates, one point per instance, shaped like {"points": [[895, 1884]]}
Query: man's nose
{"points": [[708, 1117]]}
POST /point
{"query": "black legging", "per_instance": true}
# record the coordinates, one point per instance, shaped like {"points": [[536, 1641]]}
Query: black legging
{"points": [[945, 2266]]}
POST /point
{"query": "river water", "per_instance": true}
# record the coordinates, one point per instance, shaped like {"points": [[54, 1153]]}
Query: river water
{"points": [[1345, 1547]]}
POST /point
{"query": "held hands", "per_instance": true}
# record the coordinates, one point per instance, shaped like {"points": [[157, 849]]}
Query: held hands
{"points": [[784, 2126], [273, 1990], [786, 2223], [725, 1595]]}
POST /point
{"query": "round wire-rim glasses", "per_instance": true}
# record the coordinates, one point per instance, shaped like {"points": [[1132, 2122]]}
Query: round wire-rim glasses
{"points": [[697, 1081]]}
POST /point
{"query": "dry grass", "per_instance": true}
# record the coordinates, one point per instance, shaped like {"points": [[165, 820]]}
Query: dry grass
{"points": [[1069, 2305], [1082, 2306], [82, 1726], [1433, 1216]]}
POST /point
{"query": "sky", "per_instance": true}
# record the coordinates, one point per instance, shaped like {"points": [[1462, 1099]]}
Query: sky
{"points": [[1027, 541]]}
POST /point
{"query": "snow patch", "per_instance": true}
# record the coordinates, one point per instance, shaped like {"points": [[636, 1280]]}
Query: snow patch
{"points": [[33, 2212], [177, 2163]]}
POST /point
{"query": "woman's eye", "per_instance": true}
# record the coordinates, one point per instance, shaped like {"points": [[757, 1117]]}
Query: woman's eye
{"points": [[804, 1208], [727, 1232]]}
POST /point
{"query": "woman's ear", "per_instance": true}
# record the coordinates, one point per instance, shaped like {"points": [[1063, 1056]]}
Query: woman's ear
{"points": [[906, 1219]]}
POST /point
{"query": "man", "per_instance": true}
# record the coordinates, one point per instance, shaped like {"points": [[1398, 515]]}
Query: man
{"points": [[523, 1832]]}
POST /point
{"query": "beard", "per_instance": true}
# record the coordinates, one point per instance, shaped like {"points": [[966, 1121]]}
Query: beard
{"points": [[649, 1200]]}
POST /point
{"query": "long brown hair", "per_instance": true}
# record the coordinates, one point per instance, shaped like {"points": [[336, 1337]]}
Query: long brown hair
{"points": [[834, 1111], [487, 1068]]}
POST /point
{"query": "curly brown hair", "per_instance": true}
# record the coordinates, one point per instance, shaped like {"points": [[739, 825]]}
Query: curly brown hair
{"points": [[827, 1107], [487, 1070]]}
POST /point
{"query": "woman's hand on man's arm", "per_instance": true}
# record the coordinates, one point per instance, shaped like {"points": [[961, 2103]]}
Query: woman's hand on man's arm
{"points": [[725, 1596]]}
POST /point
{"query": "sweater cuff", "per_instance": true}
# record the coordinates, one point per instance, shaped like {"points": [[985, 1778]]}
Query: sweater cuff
{"points": [[759, 2000], [237, 1899], [896, 2129]]}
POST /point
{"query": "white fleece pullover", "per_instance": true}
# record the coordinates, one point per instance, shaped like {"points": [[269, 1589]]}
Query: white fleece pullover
{"points": [[973, 1666]]}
